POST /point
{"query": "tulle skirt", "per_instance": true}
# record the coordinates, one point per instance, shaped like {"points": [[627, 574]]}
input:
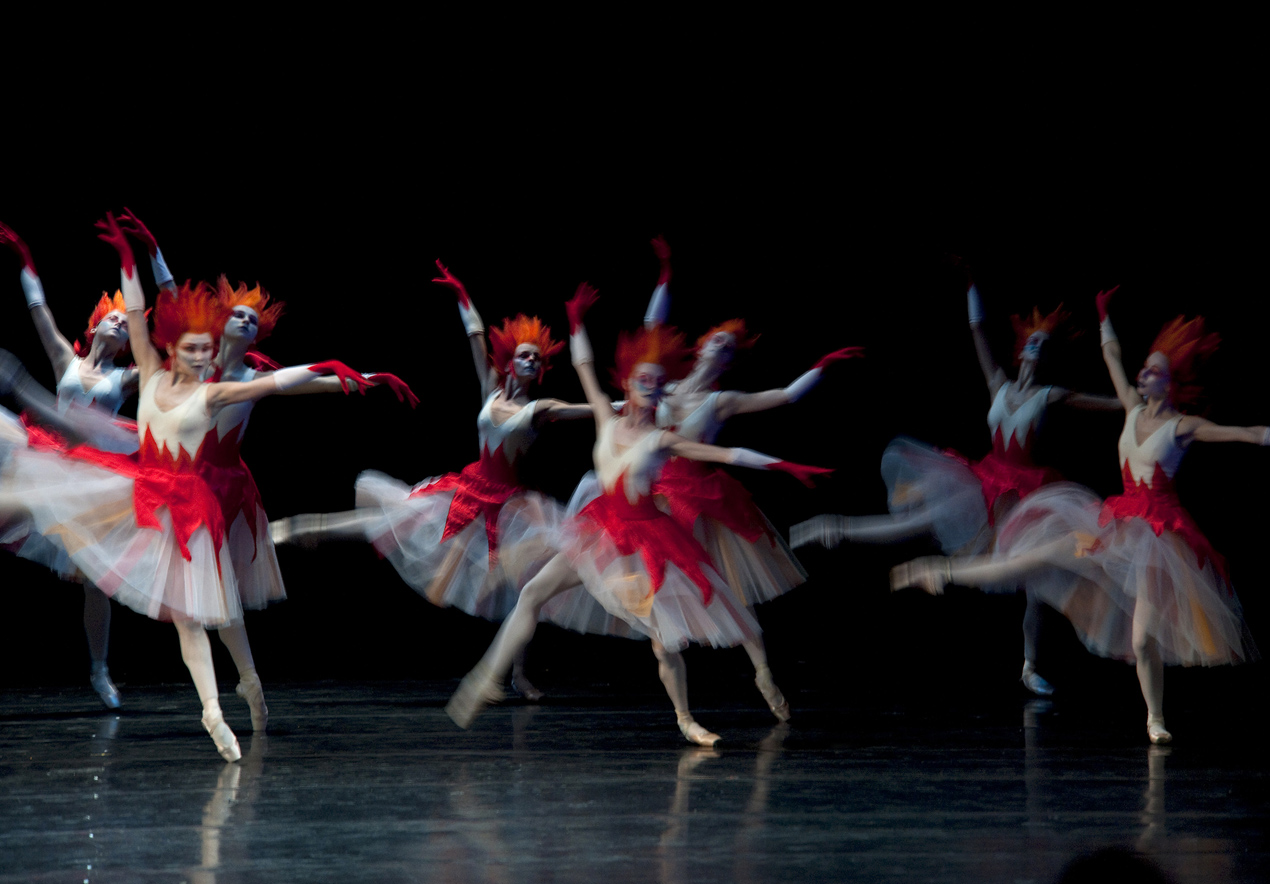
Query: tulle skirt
{"points": [[250, 547], [622, 595], [925, 481], [1103, 573], [407, 528], [78, 514]]}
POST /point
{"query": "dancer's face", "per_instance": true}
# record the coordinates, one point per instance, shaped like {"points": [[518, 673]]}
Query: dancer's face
{"points": [[193, 352], [1154, 379], [1033, 347], [719, 349], [645, 385], [527, 361], [243, 323], [113, 328]]}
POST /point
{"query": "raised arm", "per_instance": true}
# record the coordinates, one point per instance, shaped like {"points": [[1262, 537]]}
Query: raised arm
{"points": [[992, 373], [130, 223], [1125, 391], [659, 303], [733, 402], [582, 357], [148, 359], [475, 331], [739, 457], [58, 348]]}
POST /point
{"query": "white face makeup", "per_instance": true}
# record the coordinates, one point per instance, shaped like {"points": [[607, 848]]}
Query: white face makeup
{"points": [[720, 348], [527, 361], [114, 325], [243, 323], [1031, 351], [1154, 378], [193, 352], [646, 384]]}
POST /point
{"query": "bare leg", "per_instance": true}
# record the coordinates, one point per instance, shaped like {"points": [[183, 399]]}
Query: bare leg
{"points": [[830, 530], [1031, 631], [196, 651], [314, 527], [97, 628], [674, 676], [763, 678], [482, 685], [933, 573], [234, 637], [1150, 666]]}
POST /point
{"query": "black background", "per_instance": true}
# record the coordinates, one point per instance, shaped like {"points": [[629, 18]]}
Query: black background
{"points": [[811, 190]]}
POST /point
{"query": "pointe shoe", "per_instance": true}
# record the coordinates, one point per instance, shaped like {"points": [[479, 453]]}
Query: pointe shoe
{"points": [[477, 690], [828, 531], [1033, 682], [222, 736], [99, 678], [1156, 732], [929, 573], [250, 690], [523, 686], [772, 694], [695, 733]]}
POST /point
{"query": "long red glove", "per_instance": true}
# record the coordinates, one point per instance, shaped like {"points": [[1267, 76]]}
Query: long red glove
{"points": [[577, 306], [1103, 300], [344, 373], [662, 248], [840, 355], [14, 242], [114, 236], [802, 472], [397, 385]]}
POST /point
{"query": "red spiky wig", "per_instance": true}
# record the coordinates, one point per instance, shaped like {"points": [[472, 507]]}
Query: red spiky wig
{"points": [[736, 328], [194, 309], [257, 299], [1185, 344], [522, 329], [660, 346], [106, 305], [1025, 328]]}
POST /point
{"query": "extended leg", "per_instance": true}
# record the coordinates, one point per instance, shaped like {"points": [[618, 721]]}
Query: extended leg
{"points": [[1150, 666], [763, 678], [234, 637], [830, 530], [196, 651], [314, 527], [674, 676], [97, 628]]}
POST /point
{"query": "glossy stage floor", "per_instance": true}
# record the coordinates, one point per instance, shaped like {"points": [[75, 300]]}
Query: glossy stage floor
{"points": [[371, 782]]}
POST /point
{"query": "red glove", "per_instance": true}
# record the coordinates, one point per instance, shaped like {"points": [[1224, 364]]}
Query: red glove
{"points": [[801, 472], [113, 235], [13, 241], [840, 355], [662, 248], [397, 385], [579, 304], [259, 361], [448, 278], [139, 230], [344, 373], [1103, 299]]}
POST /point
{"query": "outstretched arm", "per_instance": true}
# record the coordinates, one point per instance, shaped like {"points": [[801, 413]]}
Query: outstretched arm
{"points": [[77, 424], [333, 384], [1084, 401], [739, 457], [992, 373], [1125, 391], [582, 357], [59, 350], [659, 303], [148, 359], [1199, 429], [281, 381], [475, 330], [733, 403], [132, 224], [551, 410]]}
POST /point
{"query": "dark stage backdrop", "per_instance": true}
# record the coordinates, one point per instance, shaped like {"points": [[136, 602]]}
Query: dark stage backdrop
{"points": [[822, 231]]}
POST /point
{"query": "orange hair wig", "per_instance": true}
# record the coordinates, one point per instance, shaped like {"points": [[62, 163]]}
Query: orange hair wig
{"points": [[1185, 344], [194, 309], [662, 346], [106, 305], [1025, 328], [257, 299], [522, 329], [736, 328]]}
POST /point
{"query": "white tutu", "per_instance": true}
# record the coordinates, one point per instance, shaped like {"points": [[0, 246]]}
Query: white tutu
{"points": [[255, 563], [1098, 574], [943, 489], [753, 572], [458, 572]]}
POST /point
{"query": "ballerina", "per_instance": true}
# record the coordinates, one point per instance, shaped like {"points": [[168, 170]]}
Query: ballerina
{"points": [[745, 549], [1134, 574], [471, 539], [959, 503], [638, 563], [148, 529]]}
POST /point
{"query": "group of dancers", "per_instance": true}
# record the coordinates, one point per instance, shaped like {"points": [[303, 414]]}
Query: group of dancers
{"points": [[658, 542]]}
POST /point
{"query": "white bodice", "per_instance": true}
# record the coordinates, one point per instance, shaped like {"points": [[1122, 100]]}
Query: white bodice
{"points": [[513, 436], [107, 393], [237, 414], [1160, 447], [184, 426], [641, 463], [1023, 422], [699, 426]]}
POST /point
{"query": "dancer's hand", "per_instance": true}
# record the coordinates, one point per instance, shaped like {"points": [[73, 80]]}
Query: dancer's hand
{"points": [[344, 373], [802, 472], [130, 223], [579, 304], [14, 242], [1103, 300], [662, 248], [839, 356], [449, 279], [397, 385], [110, 233]]}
